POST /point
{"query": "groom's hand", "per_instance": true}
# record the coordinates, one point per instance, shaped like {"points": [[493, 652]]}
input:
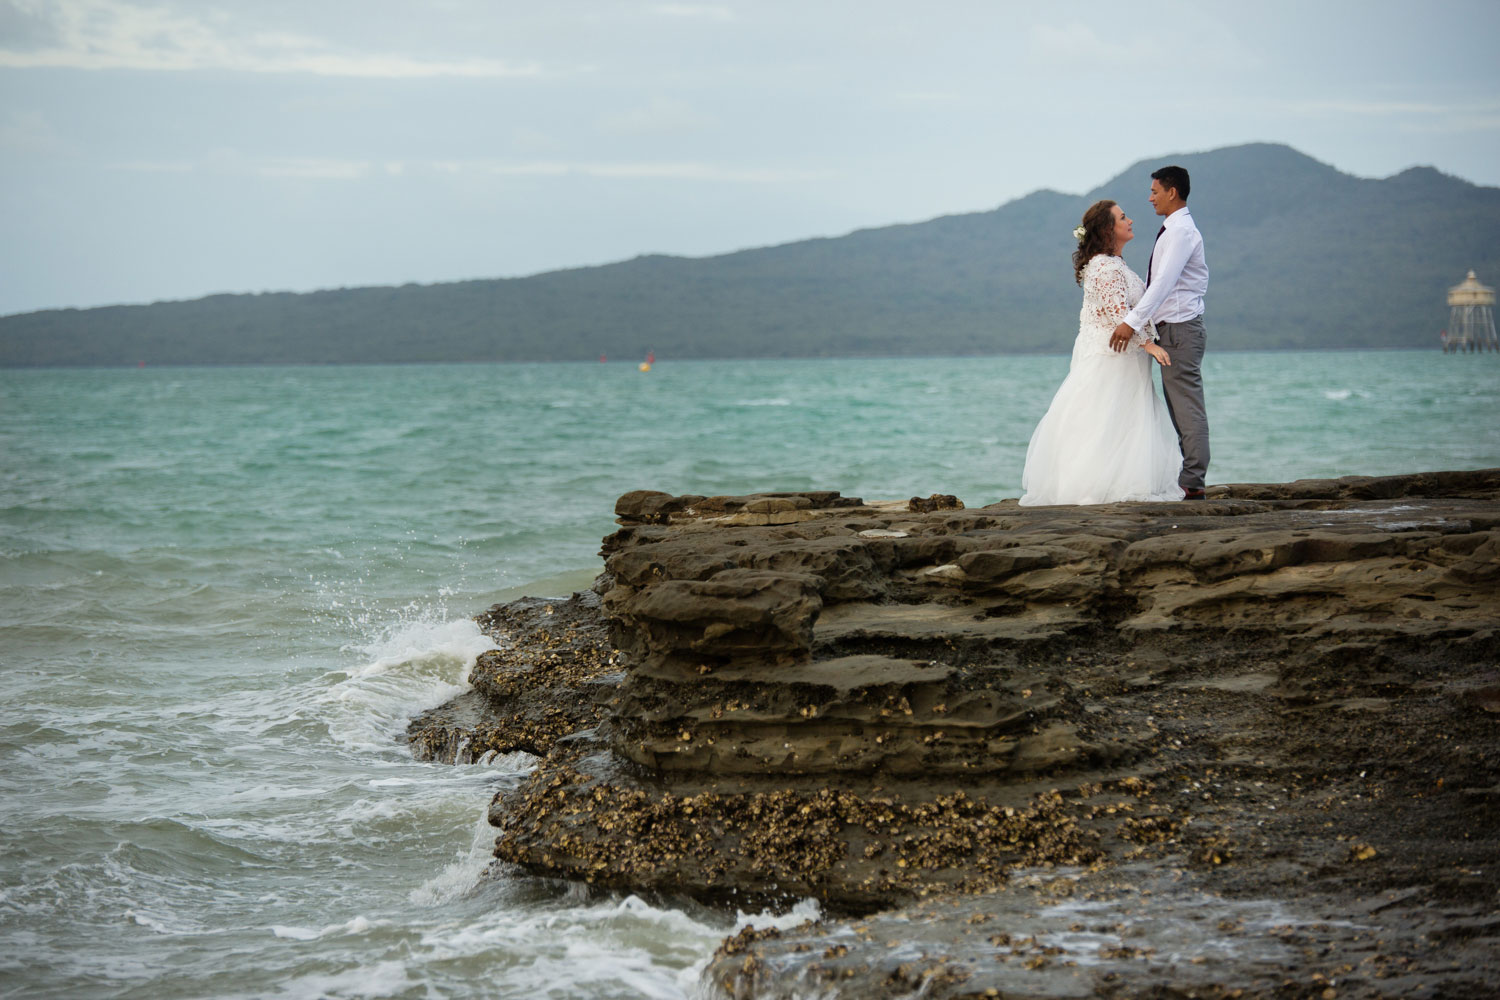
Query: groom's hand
{"points": [[1121, 337]]}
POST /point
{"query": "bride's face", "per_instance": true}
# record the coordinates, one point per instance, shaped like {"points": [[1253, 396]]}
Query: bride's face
{"points": [[1124, 228]]}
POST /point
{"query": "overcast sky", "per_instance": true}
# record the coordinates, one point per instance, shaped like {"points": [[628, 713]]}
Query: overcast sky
{"points": [[161, 149]]}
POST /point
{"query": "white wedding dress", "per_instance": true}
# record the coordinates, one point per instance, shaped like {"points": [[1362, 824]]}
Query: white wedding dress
{"points": [[1107, 435]]}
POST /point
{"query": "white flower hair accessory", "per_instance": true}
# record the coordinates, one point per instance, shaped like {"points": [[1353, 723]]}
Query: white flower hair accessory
{"points": [[1080, 233]]}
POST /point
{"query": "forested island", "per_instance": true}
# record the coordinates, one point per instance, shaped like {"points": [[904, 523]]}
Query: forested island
{"points": [[1302, 256]]}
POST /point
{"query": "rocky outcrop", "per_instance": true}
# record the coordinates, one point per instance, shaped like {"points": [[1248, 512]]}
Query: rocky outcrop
{"points": [[551, 675], [1285, 696], [1138, 930]]}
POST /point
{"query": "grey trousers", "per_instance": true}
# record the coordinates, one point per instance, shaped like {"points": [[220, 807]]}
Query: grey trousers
{"points": [[1182, 385]]}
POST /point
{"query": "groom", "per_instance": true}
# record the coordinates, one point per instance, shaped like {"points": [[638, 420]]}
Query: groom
{"points": [[1176, 281]]}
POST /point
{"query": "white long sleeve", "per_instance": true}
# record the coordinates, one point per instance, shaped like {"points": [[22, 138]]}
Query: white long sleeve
{"points": [[1109, 288], [1179, 275]]}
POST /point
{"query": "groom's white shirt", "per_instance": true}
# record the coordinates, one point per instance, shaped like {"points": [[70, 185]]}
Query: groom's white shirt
{"points": [[1179, 277]]}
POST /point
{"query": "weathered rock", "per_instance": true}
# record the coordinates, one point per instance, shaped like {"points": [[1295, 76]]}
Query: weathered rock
{"points": [[1133, 931], [652, 507], [938, 501], [550, 677], [1286, 690], [778, 844]]}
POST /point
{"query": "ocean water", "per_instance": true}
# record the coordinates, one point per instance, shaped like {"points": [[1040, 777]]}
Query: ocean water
{"points": [[225, 591]]}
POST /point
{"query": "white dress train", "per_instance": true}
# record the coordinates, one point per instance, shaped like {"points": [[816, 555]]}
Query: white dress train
{"points": [[1107, 435]]}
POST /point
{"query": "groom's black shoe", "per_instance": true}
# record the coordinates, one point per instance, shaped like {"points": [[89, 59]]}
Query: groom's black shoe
{"points": [[1192, 494]]}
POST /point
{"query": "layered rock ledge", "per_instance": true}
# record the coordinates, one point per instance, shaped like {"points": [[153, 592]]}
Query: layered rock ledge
{"points": [[1244, 744]]}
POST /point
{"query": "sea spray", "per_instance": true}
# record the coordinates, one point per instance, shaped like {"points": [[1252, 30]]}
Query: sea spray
{"points": [[410, 667]]}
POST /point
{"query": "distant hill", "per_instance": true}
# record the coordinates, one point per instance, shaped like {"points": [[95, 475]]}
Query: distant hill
{"points": [[1301, 255]]}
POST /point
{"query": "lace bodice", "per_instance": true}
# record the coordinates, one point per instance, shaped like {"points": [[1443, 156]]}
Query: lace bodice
{"points": [[1110, 288]]}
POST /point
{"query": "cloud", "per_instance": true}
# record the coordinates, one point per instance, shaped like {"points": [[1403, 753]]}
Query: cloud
{"points": [[314, 169], [1074, 43], [659, 171], [1410, 116], [330, 169], [1383, 108], [27, 25], [662, 116], [27, 132], [156, 166], [702, 11], [532, 141], [930, 98], [115, 34], [1214, 47], [234, 162]]}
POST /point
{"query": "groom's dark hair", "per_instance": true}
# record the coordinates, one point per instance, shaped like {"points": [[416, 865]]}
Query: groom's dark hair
{"points": [[1173, 177]]}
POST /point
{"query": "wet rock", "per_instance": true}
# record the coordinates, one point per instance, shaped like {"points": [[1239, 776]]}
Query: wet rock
{"points": [[775, 845], [652, 507], [1133, 931], [1281, 699], [938, 501], [550, 676]]}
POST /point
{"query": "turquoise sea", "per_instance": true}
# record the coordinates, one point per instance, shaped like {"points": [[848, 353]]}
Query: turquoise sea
{"points": [[225, 591]]}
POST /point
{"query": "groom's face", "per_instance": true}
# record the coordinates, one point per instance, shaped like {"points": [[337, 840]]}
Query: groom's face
{"points": [[1162, 198]]}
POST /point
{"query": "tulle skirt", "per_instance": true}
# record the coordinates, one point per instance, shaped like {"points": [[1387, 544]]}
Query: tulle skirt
{"points": [[1107, 436]]}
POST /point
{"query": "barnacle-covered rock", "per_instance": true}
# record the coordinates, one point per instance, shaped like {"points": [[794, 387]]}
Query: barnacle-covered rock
{"points": [[937, 716]]}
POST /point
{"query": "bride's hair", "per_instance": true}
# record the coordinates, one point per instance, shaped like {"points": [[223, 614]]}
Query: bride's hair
{"points": [[1098, 236]]}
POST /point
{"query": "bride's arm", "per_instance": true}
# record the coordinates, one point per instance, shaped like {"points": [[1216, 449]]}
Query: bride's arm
{"points": [[1111, 290]]}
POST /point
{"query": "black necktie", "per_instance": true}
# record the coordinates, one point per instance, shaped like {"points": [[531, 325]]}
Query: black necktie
{"points": [[1153, 253]]}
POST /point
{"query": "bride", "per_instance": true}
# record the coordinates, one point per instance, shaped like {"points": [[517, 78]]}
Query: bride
{"points": [[1107, 435]]}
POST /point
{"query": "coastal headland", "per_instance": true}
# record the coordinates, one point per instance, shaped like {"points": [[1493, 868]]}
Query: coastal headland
{"points": [[1241, 747]]}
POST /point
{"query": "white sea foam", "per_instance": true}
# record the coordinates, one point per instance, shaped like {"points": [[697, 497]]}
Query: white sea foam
{"points": [[361, 814], [806, 911], [268, 791], [380, 979], [690, 979], [595, 948], [423, 642], [354, 925], [154, 923], [415, 666], [459, 877]]}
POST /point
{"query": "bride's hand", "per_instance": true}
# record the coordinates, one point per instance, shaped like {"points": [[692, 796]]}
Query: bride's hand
{"points": [[1159, 353]]}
